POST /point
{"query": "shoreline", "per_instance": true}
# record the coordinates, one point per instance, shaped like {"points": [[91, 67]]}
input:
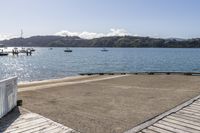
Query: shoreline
{"points": [[91, 75], [38, 85], [50, 80]]}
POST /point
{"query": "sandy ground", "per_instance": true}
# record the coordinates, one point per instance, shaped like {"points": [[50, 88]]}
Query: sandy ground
{"points": [[109, 104]]}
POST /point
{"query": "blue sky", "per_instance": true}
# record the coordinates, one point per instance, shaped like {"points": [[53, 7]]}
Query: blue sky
{"points": [[155, 18]]}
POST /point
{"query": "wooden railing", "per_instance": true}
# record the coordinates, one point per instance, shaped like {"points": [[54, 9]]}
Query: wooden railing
{"points": [[8, 95]]}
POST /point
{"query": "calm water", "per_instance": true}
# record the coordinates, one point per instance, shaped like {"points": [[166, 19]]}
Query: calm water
{"points": [[49, 64]]}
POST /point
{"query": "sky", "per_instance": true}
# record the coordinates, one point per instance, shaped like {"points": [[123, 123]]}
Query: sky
{"points": [[97, 18]]}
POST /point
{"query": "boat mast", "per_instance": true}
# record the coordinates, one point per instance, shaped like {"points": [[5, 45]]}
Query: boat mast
{"points": [[21, 34], [21, 37]]}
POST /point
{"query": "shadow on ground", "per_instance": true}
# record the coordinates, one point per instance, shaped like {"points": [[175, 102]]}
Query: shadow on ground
{"points": [[8, 119]]}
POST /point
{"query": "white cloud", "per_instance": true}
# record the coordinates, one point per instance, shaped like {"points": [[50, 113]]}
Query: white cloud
{"points": [[6, 36], [84, 34], [90, 35]]}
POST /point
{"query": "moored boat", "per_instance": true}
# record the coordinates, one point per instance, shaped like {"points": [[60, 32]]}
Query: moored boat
{"points": [[3, 53], [31, 49], [67, 50], [104, 50], [22, 50]]}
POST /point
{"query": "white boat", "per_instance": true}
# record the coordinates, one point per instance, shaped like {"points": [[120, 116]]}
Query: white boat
{"points": [[22, 50], [31, 49], [104, 50], [2, 53], [67, 50]]}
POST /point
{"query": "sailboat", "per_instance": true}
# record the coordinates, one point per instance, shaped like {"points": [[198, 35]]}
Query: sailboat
{"points": [[3, 53], [104, 50], [22, 50], [67, 50]]}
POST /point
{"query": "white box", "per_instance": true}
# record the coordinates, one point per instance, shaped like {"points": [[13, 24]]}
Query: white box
{"points": [[8, 95]]}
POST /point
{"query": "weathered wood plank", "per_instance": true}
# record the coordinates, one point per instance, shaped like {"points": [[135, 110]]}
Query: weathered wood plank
{"points": [[187, 114], [184, 120], [169, 128], [27, 129], [191, 113], [181, 123], [34, 123], [160, 130], [24, 127], [48, 129], [191, 118], [195, 106], [148, 131], [18, 124], [39, 128], [192, 110], [177, 126]]}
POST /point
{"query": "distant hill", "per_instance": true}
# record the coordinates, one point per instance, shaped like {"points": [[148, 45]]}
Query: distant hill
{"points": [[115, 41]]}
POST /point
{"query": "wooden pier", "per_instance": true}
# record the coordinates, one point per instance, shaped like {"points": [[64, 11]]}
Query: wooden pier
{"points": [[17, 52]]}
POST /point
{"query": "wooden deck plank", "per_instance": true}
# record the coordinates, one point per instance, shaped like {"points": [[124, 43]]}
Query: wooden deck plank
{"points": [[25, 126], [173, 129], [191, 113], [160, 130], [177, 126], [184, 121], [18, 127], [37, 129], [149, 131], [192, 110], [182, 124], [195, 106], [34, 123], [48, 129], [24, 122], [186, 116]]}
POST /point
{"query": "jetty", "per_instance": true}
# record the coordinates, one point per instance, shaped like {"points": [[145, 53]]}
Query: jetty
{"points": [[17, 51]]}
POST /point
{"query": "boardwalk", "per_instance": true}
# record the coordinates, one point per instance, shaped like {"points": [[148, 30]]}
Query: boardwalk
{"points": [[31, 123], [186, 120]]}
